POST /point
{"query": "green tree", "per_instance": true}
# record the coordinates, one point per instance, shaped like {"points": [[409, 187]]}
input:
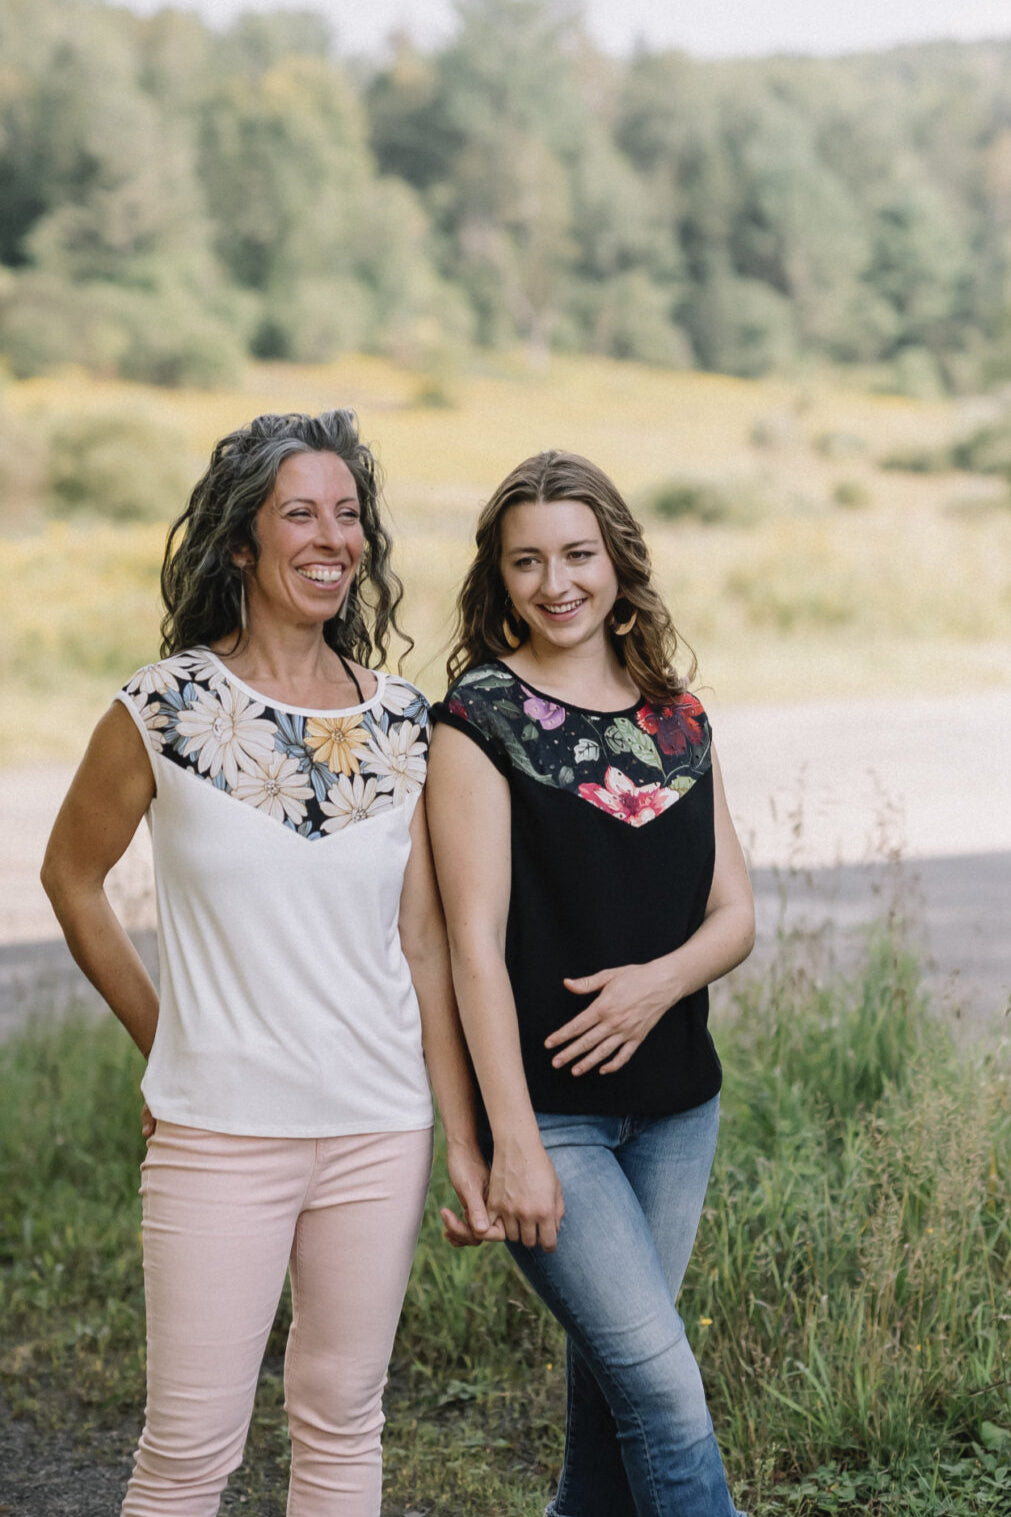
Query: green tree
{"points": [[285, 165], [111, 183], [507, 207], [412, 130]]}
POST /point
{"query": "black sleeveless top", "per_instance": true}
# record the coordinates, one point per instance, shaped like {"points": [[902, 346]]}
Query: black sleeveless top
{"points": [[612, 863]]}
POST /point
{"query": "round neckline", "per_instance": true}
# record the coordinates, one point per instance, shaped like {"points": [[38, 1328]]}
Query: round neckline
{"points": [[554, 700], [278, 705]]}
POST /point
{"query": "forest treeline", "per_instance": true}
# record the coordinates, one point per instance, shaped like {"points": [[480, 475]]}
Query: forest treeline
{"points": [[175, 198]]}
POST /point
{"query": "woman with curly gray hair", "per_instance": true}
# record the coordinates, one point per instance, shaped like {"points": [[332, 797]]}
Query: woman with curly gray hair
{"points": [[304, 974]]}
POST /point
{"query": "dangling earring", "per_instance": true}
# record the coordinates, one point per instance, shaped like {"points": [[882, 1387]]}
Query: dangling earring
{"points": [[242, 603], [342, 614], [513, 638], [622, 629]]}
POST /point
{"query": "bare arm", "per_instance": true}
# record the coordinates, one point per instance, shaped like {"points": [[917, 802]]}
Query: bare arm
{"points": [[633, 997], [469, 816], [105, 804], [423, 938]]}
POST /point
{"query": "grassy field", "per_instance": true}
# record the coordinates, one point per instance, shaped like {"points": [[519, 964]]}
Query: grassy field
{"points": [[848, 1298], [825, 574]]}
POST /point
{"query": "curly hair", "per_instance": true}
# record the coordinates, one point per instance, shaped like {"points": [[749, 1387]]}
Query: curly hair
{"points": [[200, 581], [647, 651]]}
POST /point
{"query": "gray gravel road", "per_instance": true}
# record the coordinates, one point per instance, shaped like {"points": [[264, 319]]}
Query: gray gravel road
{"points": [[958, 911], [46, 1476]]}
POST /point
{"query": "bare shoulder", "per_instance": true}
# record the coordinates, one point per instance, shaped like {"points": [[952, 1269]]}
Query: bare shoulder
{"points": [[108, 796], [116, 762], [462, 777]]}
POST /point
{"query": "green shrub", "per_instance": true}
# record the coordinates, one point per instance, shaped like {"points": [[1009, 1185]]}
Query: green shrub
{"points": [[711, 502], [121, 465], [790, 603], [177, 344], [919, 460], [839, 445], [987, 451], [917, 372], [161, 335], [315, 321], [851, 495], [778, 429], [857, 1254]]}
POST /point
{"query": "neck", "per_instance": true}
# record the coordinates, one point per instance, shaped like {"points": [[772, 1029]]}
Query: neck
{"points": [[284, 655], [589, 673]]}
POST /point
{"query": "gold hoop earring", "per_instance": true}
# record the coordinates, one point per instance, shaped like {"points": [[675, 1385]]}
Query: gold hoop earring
{"points": [[622, 629], [513, 638]]}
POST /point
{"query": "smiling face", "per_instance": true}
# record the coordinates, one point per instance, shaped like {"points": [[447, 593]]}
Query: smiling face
{"points": [[557, 572], [310, 539]]}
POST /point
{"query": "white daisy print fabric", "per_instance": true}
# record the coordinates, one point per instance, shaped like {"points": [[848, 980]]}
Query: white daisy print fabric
{"points": [[314, 772]]}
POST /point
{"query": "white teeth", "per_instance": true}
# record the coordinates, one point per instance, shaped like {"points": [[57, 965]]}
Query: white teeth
{"points": [[562, 610], [322, 576]]}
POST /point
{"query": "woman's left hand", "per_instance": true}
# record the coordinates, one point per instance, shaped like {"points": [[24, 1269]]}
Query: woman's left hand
{"points": [[468, 1174], [631, 1001]]}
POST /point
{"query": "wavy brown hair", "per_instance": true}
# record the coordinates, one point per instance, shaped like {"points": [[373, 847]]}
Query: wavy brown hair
{"points": [[648, 651], [200, 582]]}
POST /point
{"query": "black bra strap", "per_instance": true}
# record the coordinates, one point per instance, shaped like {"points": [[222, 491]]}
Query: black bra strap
{"points": [[352, 677]]}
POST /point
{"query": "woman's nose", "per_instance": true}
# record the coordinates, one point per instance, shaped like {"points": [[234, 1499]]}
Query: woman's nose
{"points": [[555, 576], [329, 530]]}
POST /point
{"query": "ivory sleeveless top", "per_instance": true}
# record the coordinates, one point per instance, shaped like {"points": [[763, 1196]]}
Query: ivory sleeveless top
{"points": [[280, 840]]}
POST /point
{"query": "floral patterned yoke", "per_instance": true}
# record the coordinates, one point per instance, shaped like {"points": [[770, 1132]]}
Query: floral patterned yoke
{"points": [[611, 858], [314, 772], [633, 764]]}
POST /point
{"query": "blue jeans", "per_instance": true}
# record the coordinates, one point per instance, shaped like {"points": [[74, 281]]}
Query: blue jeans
{"points": [[638, 1438]]}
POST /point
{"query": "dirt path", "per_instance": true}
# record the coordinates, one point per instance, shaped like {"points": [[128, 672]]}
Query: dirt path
{"points": [[826, 796]]}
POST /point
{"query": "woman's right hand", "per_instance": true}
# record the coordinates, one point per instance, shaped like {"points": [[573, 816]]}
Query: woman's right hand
{"points": [[525, 1193]]}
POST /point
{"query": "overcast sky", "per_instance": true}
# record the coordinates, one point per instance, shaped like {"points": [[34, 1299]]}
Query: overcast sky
{"points": [[707, 28]]}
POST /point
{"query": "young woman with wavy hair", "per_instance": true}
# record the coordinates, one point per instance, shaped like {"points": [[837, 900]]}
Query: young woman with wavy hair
{"points": [[593, 886], [304, 971]]}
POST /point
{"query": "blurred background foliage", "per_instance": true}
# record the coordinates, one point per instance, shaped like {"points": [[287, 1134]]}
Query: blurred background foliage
{"points": [[177, 198], [771, 297]]}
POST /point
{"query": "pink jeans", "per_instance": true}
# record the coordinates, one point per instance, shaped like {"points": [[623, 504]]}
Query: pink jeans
{"points": [[224, 1217]]}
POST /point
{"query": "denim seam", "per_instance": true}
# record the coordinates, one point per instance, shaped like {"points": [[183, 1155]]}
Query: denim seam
{"points": [[630, 1129], [634, 1414], [568, 1430]]}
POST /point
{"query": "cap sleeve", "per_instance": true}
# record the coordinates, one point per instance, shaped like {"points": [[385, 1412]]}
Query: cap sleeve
{"points": [[481, 705], [144, 696]]}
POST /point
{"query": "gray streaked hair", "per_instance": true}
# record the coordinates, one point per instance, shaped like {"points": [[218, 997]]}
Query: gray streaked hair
{"points": [[200, 582]]}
